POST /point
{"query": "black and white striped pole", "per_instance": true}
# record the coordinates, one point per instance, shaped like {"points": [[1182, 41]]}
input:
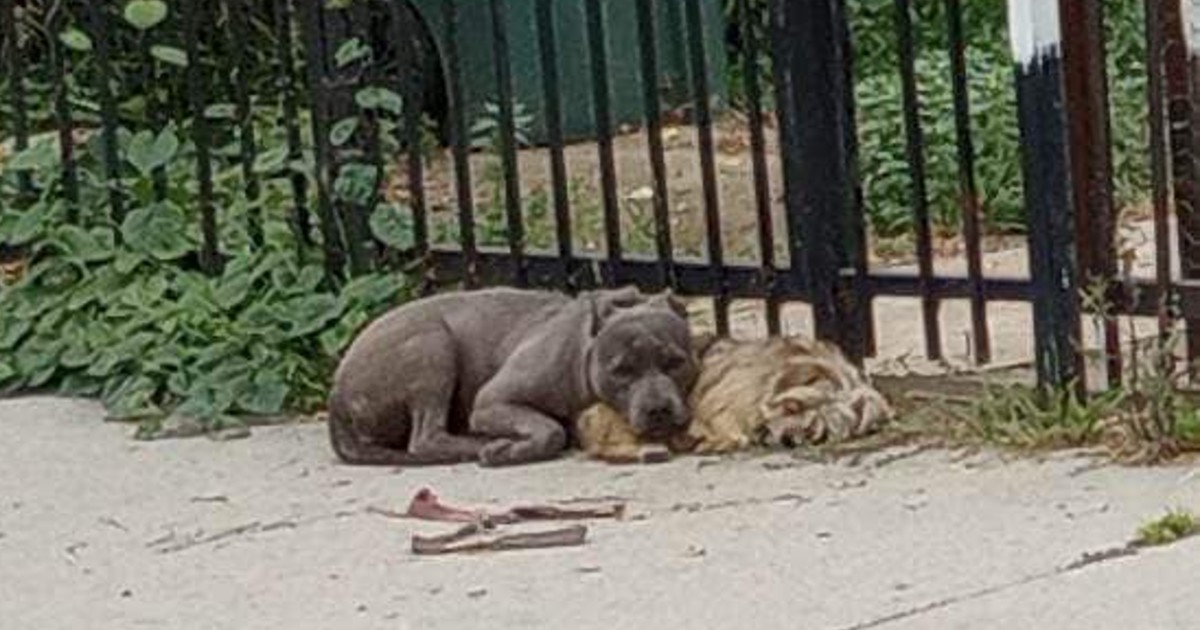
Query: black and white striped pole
{"points": [[1036, 35]]}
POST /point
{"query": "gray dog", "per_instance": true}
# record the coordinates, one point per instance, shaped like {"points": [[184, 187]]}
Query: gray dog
{"points": [[498, 375]]}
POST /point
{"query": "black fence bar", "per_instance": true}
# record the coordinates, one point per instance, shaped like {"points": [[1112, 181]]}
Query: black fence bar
{"points": [[598, 56], [548, 51], [239, 36], [1185, 187], [744, 281], [460, 142], [15, 69], [156, 108], [813, 146], [1091, 164], [647, 43], [341, 25], [782, 37], [64, 119], [331, 237], [405, 30], [286, 81], [1045, 166], [1158, 162], [752, 48], [856, 306], [967, 189], [196, 22], [98, 19], [915, 148], [508, 140], [708, 168]]}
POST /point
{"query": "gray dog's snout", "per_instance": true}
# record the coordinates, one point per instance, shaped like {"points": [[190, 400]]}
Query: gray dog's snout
{"points": [[660, 415]]}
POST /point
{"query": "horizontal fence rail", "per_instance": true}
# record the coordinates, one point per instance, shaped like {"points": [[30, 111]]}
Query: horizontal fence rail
{"points": [[481, 143]]}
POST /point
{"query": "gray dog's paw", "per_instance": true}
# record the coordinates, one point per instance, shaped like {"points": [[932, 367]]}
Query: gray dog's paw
{"points": [[496, 453]]}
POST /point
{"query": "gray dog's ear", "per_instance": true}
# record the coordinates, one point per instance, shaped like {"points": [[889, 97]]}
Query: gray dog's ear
{"points": [[606, 303], [668, 299]]}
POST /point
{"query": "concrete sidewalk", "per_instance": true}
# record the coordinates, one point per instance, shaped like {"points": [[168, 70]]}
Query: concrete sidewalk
{"points": [[101, 532]]}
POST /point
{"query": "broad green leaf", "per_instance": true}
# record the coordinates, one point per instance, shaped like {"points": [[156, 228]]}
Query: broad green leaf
{"points": [[178, 383], [41, 154], [41, 376], [232, 291], [145, 14], [170, 54], [84, 245], [375, 97], [226, 111], [127, 262], [12, 331], [133, 399], [268, 162], [36, 356], [7, 371], [350, 51], [76, 40], [342, 130], [147, 152], [76, 355], [29, 226], [309, 278], [392, 225], [308, 314], [265, 395], [157, 230], [200, 403], [356, 183], [79, 385]]}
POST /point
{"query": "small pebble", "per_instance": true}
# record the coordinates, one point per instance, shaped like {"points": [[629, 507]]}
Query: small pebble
{"points": [[696, 551], [476, 593]]}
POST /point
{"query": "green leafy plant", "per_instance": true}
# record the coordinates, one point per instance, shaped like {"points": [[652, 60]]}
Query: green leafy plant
{"points": [[1027, 417], [117, 312], [1173, 526]]}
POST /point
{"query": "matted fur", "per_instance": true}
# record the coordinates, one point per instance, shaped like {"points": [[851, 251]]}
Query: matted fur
{"points": [[776, 391]]}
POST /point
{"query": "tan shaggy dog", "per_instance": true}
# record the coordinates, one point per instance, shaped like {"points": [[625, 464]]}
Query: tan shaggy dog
{"points": [[770, 392]]}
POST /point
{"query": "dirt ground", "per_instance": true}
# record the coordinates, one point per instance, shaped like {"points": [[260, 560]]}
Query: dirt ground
{"points": [[98, 531], [735, 192]]}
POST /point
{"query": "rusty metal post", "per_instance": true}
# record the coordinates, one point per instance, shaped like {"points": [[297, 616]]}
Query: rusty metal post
{"points": [[1090, 149], [1177, 62]]}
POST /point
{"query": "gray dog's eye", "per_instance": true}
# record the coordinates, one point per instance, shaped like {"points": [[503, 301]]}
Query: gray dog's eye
{"points": [[673, 364], [623, 371]]}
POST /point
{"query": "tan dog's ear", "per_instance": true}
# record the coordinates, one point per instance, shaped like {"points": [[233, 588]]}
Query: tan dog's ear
{"points": [[702, 342]]}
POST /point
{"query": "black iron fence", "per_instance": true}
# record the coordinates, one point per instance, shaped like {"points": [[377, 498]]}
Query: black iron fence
{"points": [[378, 133]]}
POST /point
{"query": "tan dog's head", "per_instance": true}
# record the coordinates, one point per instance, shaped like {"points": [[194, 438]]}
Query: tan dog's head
{"points": [[819, 397]]}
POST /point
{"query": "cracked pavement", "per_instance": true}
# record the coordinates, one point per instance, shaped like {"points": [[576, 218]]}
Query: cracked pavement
{"points": [[99, 531]]}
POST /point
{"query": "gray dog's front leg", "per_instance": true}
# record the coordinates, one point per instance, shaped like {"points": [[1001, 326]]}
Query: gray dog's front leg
{"points": [[532, 435]]}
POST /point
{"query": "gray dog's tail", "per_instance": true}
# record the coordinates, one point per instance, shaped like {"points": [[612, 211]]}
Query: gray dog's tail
{"points": [[351, 449]]}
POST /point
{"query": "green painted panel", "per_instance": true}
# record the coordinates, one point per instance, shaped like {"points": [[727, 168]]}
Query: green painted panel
{"points": [[625, 76]]}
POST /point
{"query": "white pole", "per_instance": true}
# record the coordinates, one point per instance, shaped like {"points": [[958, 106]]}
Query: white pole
{"points": [[1034, 31]]}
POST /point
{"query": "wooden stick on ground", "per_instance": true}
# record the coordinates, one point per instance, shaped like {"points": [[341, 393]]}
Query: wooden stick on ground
{"points": [[465, 541], [425, 505]]}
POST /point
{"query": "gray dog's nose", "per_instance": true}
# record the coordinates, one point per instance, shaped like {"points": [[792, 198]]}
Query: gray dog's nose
{"points": [[660, 416]]}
